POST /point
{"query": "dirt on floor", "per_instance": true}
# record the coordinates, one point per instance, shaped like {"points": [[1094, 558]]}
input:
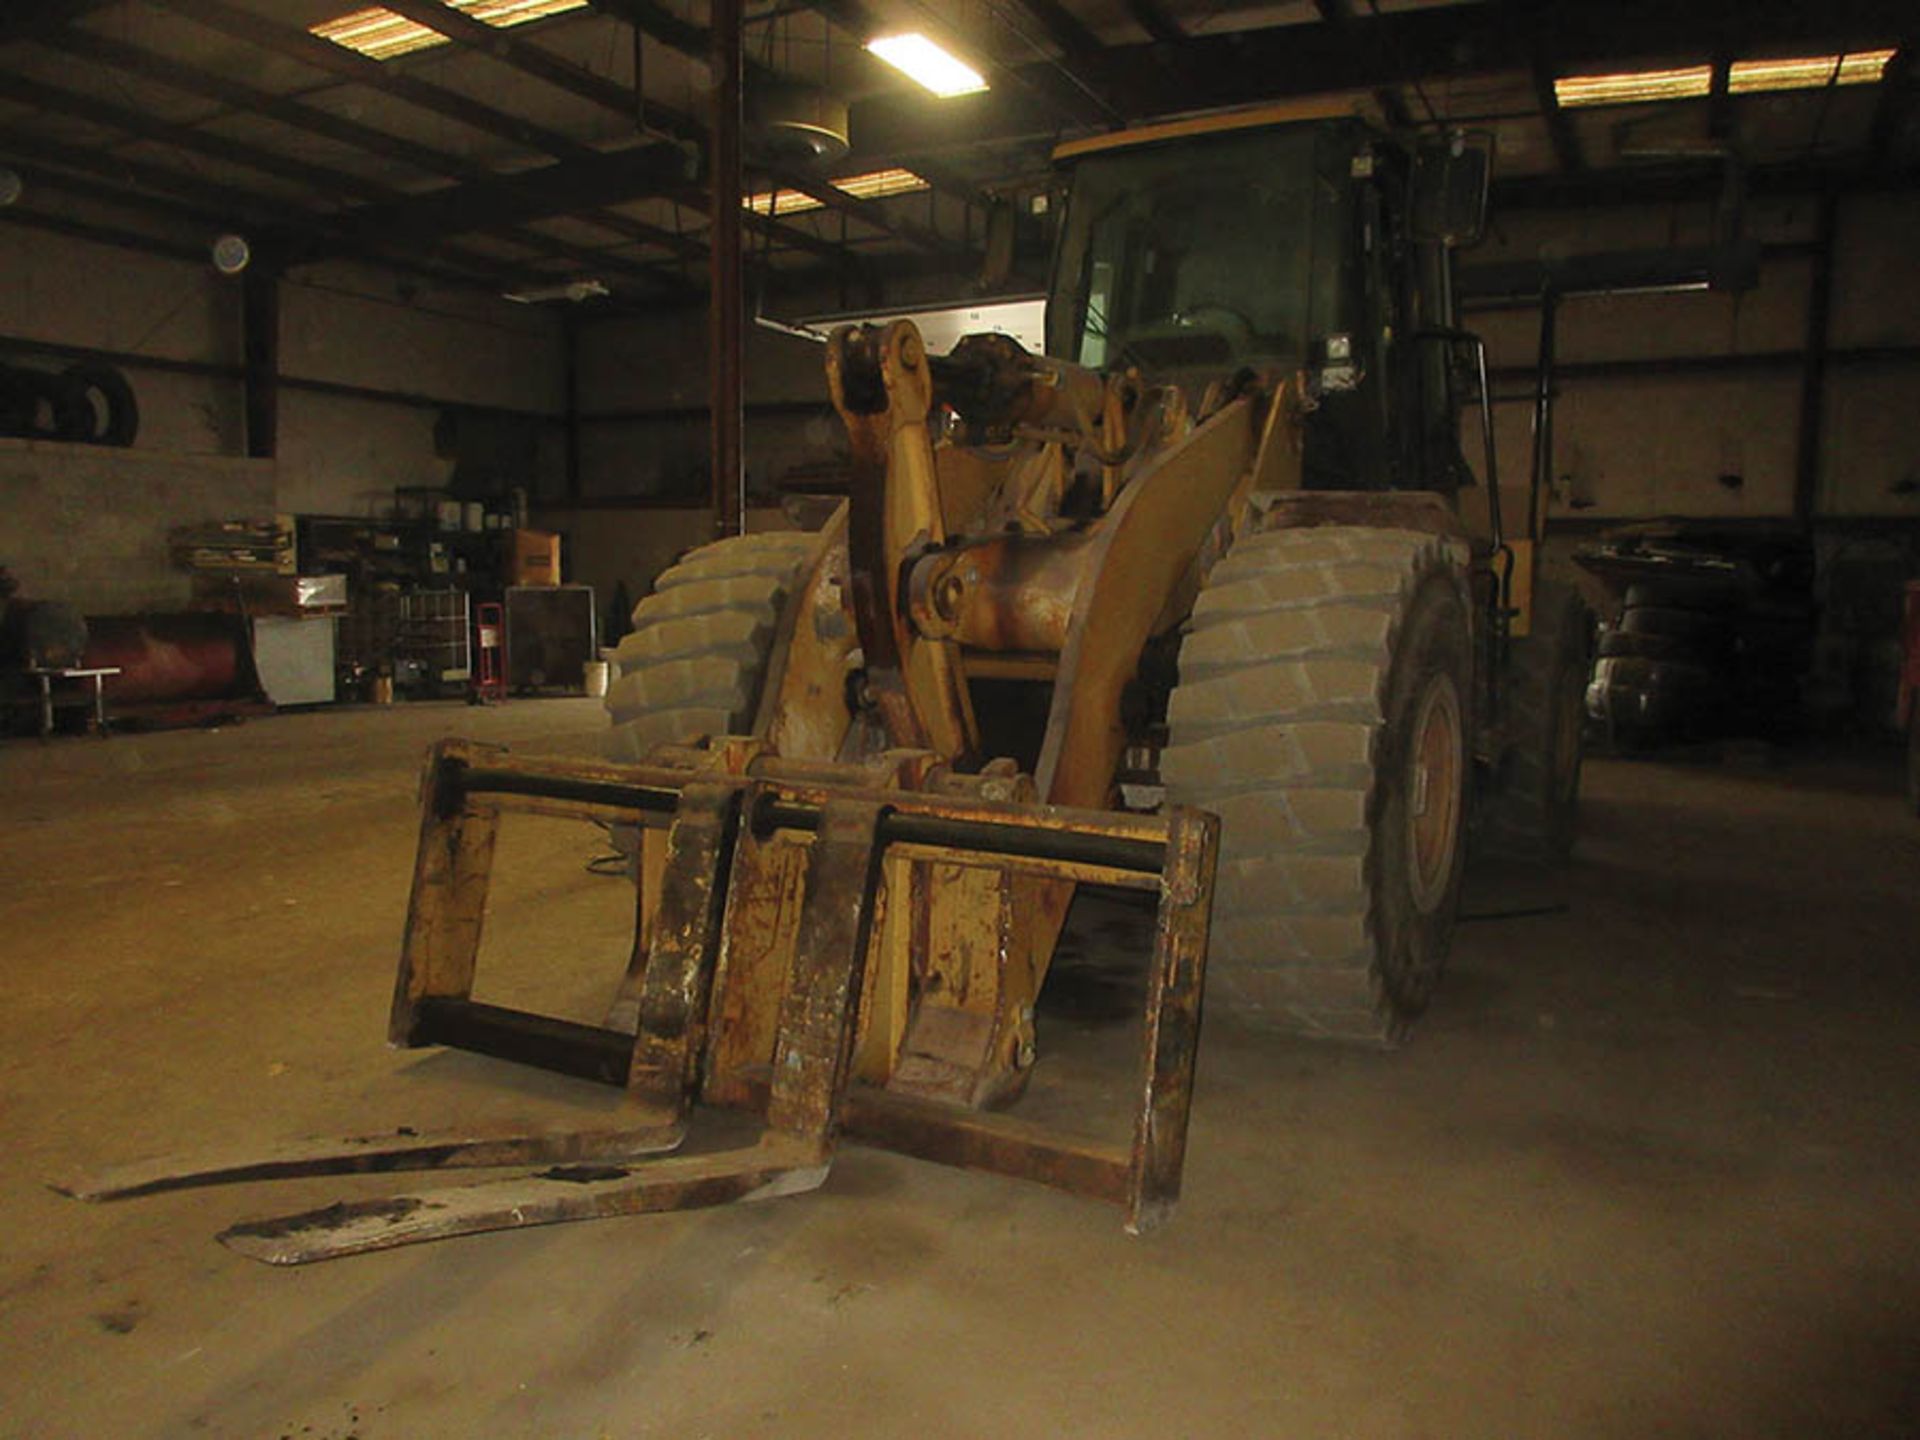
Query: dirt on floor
{"points": [[1648, 1168]]}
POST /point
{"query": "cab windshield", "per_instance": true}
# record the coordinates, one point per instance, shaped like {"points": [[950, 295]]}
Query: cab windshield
{"points": [[1188, 256]]}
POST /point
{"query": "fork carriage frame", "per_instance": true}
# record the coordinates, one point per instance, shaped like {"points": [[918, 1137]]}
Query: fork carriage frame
{"points": [[697, 1011], [761, 975]]}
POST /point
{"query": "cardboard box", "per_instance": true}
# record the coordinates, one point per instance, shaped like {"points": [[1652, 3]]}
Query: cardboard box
{"points": [[536, 558]]}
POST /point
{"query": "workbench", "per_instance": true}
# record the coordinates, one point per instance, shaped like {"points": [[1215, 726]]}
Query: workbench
{"points": [[46, 676]]}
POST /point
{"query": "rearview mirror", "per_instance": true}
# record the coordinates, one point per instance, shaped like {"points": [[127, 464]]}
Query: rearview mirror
{"points": [[1449, 185]]}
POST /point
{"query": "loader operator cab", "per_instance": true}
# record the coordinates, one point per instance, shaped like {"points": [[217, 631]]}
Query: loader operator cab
{"points": [[1319, 246]]}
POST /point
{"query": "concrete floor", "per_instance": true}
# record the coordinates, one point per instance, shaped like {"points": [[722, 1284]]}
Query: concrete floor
{"points": [[1648, 1169]]}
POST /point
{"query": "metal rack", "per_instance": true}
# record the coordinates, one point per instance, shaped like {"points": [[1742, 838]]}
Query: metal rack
{"points": [[433, 643]]}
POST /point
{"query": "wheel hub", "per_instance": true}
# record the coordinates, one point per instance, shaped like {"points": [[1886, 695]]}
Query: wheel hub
{"points": [[1434, 780]]}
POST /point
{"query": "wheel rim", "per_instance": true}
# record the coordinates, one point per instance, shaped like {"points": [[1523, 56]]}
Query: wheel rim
{"points": [[1433, 793]]}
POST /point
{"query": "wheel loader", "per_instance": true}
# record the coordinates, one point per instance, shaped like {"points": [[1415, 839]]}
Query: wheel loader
{"points": [[1197, 603], [1210, 549]]}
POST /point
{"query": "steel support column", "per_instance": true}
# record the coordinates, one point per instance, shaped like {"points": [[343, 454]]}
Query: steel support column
{"points": [[1813, 373], [725, 312], [1543, 397], [570, 357], [260, 353]]}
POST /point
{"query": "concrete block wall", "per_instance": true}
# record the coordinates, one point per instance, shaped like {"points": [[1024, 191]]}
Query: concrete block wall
{"points": [[643, 396], [1632, 445], [606, 548], [88, 525], [406, 348], [358, 326]]}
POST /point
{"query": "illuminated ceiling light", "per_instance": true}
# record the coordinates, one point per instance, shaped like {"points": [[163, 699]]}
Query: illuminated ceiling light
{"points": [[920, 60], [878, 184], [573, 290], [874, 185], [779, 202], [380, 34], [1634, 87], [1814, 72]]}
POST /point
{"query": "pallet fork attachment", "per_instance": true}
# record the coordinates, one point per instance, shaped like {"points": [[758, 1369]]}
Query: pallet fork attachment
{"points": [[689, 988]]}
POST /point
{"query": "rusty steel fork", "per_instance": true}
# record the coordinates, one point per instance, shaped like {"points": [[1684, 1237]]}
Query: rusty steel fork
{"points": [[806, 1094]]}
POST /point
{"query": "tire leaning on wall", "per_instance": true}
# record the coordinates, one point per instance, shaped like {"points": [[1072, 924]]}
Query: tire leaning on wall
{"points": [[105, 398]]}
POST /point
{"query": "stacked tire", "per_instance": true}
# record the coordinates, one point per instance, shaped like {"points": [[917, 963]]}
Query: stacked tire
{"points": [[85, 404], [1696, 659], [1530, 810]]}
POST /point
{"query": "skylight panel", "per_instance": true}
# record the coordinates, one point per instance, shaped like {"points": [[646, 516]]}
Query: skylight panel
{"points": [[874, 185], [1814, 72], [380, 34], [1744, 77], [1634, 87]]}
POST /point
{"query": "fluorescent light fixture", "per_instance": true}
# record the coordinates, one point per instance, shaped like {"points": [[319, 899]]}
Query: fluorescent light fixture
{"points": [[920, 60], [874, 185], [878, 184], [380, 34], [574, 290], [1744, 77], [779, 202], [1634, 87], [1814, 72]]}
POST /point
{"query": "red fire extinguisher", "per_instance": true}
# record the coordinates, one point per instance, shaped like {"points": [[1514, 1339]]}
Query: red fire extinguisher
{"points": [[489, 675]]}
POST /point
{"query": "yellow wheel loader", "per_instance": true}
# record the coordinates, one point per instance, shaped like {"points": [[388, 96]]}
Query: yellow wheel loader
{"points": [[1193, 603], [1208, 550]]}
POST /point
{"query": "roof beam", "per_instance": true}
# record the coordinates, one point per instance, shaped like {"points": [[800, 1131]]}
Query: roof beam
{"points": [[662, 24], [1063, 27], [1695, 183], [867, 212], [552, 190], [1148, 15], [1720, 96], [530, 59], [1399, 47], [855, 19], [310, 50], [234, 207], [1560, 132], [147, 128], [323, 179], [32, 19], [1339, 14], [541, 64], [334, 59], [1077, 98], [180, 212], [56, 224], [1898, 113], [300, 115]]}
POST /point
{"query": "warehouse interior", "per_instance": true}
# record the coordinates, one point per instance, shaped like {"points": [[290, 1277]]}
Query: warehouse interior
{"points": [[369, 378]]}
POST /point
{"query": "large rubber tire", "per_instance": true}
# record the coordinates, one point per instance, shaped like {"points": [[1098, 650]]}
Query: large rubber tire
{"points": [[1622, 644], [1531, 809], [1707, 629], [694, 663], [1314, 656], [113, 414]]}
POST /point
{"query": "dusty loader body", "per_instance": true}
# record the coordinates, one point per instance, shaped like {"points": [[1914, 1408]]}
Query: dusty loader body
{"points": [[1203, 559], [1207, 550]]}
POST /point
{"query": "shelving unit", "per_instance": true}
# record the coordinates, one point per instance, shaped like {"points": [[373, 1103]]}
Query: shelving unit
{"points": [[433, 643]]}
